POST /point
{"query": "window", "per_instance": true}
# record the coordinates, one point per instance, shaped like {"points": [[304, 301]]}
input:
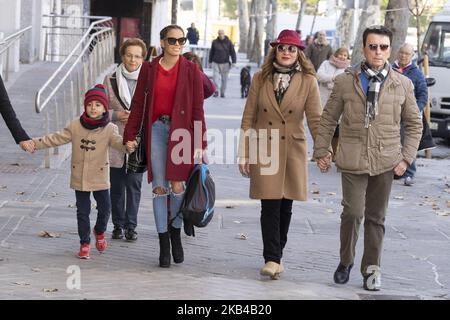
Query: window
{"points": [[437, 43]]}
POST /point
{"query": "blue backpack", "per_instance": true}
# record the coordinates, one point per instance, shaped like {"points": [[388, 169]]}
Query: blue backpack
{"points": [[198, 201]]}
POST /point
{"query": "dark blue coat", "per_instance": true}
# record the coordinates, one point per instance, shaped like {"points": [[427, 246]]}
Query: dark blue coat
{"points": [[420, 84]]}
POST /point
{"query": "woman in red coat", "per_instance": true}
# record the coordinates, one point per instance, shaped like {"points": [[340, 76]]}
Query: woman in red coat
{"points": [[174, 127]]}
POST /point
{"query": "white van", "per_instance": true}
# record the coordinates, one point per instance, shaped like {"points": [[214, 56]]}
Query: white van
{"points": [[437, 44]]}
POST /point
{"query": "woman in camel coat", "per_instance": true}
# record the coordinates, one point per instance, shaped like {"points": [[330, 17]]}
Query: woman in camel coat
{"points": [[280, 95]]}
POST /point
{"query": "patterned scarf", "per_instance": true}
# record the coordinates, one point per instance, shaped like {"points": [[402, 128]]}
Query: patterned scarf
{"points": [[282, 77], [92, 124], [376, 78]]}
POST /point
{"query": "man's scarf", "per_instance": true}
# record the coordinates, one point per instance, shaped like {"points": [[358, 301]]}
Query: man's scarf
{"points": [[376, 78]]}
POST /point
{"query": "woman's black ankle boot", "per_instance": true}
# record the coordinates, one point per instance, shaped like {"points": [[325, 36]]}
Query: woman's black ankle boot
{"points": [[164, 250], [177, 247]]}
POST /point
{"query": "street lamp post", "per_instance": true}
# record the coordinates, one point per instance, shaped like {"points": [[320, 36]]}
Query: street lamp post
{"points": [[206, 23]]}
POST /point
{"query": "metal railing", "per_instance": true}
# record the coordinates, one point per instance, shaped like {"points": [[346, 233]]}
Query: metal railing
{"points": [[5, 46], [203, 53], [91, 57]]}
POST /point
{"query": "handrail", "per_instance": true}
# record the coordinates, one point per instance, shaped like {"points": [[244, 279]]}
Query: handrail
{"points": [[39, 108], [6, 44], [15, 34]]}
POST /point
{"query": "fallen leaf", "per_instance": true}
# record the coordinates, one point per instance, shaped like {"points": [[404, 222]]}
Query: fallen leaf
{"points": [[236, 221], [15, 164], [399, 197], [331, 193], [49, 289], [314, 184], [442, 213], [241, 236], [3, 187], [20, 193], [35, 269], [72, 206], [46, 234], [229, 207], [315, 192], [21, 283], [330, 211]]}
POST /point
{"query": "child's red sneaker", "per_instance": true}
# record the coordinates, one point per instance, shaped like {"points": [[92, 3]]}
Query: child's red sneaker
{"points": [[100, 242], [84, 251]]}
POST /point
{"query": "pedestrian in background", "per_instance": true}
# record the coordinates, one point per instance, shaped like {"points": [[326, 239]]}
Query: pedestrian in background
{"points": [[193, 35], [409, 69], [309, 40], [174, 104], [13, 124], [319, 51], [222, 56], [280, 96], [91, 136], [208, 86], [125, 185], [373, 100], [327, 73]]}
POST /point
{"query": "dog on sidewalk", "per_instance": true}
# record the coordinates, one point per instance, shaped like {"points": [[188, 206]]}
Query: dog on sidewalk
{"points": [[246, 80]]}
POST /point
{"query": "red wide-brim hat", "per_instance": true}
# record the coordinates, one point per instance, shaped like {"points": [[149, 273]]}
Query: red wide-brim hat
{"points": [[288, 37]]}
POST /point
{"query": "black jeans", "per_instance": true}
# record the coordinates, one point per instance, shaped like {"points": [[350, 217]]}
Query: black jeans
{"points": [[275, 221], [84, 209], [125, 197]]}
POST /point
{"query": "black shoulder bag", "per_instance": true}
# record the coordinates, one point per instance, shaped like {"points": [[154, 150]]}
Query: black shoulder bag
{"points": [[137, 161]]}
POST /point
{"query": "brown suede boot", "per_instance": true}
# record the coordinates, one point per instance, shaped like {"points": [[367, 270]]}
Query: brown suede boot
{"points": [[270, 269]]}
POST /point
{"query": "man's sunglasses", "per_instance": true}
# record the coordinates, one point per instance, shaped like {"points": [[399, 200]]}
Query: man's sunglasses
{"points": [[173, 41], [283, 48], [374, 47]]}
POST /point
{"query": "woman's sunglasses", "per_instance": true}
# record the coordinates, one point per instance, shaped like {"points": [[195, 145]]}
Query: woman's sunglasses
{"points": [[173, 41], [374, 47], [290, 49]]}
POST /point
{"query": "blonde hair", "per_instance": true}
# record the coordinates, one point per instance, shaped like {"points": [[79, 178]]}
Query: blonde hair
{"points": [[342, 50], [268, 68]]}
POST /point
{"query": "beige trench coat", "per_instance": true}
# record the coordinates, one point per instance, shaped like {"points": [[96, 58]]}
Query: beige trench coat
{"points": [[279, 130], [377, 149], [89, 167]]}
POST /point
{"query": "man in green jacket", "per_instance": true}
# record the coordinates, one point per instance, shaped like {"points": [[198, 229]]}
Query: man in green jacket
{"points": [[373, 100]]}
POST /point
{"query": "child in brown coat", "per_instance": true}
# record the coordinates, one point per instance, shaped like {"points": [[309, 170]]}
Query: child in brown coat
{"points": [[91, 136]]}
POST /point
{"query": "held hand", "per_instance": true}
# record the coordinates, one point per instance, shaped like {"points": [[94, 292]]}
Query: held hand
{"points": [[324, 163], [131, 146], [244, 168], [28, 146], [400, 169], [198, 155]]}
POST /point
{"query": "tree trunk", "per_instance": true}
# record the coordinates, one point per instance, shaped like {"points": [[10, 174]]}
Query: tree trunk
{"points": [[315, 15], [345, 25], [251, 29], [398, 22], [301, 12], [256, 55], [271, 19], [369, 16], [243, 25], [174, 11]]}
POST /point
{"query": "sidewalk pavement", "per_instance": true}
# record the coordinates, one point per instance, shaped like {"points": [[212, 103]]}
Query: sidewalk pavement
{"points": [[223, 260]]}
